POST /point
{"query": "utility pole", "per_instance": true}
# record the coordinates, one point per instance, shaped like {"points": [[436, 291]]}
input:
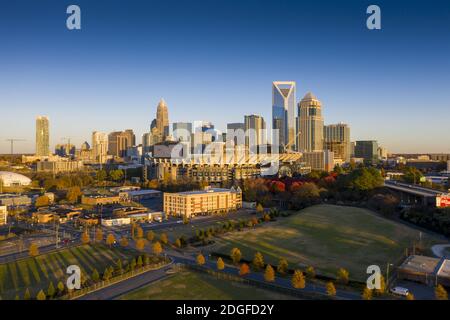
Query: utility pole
{"points": [[12, 140]]}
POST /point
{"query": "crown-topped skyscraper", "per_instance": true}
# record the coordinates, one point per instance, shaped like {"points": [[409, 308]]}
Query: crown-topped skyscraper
{"points": [[162, 119]]}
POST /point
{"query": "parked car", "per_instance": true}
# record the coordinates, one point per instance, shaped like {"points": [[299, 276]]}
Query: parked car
{"points": [[400, 291]]}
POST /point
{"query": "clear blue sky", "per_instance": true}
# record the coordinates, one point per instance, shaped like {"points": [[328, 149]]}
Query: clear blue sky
{"points": [[215, 60]]}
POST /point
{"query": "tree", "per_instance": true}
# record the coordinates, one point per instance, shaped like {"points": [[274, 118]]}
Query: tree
{"points": [[73, 194], [282, 266], [106, 274], [382, 288], [110, 240], [410, 296], [310, 272], [259, 208], [220, 264], [27, 295], [200, 259], [367, 294], [101, 175], [33, 250], [119, 266], [140, 244], [51, 290], [41, 295], [163, 238], [177, 243], [440, 293], [124, 241], [244, 269], [258, 261], [331, 290], [133, 264], [150, 236], [99, 235], [157, 248], [139, 262], [139, 232], [85, 239], [235, 255], [343, 276], [298, 280], [42, 201], [269, 274], [116, 175], [95, 276], [60, 287]]}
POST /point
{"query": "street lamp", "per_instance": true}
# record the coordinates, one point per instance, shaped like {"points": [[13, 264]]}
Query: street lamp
{"points": [[387, 273]]}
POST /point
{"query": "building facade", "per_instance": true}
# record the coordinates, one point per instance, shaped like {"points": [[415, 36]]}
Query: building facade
{"points": [[310, 124], [59, 166], [120, 141], [255, 132], [283, 113], [205, 202], [42, 137], [337, 139], [319, 160], [3, 215], [368, 150], [162, 119], [182, 131], [99, 146]]}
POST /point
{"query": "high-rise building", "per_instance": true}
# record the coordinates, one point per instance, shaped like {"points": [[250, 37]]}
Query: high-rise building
{"points": [[337, 139], [235, 133], [162, 119], [283, 113], [100, 146], [310, 124], [368, 150], [182, 131], [120, 141], [3, 215], [42, 137], [319, 160], [255, 132]]}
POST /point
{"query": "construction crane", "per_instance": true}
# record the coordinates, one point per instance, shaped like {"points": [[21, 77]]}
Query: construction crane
{"points": [[12, 140]]}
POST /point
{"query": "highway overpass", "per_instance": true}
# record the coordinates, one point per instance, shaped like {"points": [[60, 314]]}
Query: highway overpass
{"points": [[413, 194]]}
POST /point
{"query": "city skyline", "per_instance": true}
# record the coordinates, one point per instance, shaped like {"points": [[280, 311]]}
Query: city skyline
{"points": [[376, 82]]}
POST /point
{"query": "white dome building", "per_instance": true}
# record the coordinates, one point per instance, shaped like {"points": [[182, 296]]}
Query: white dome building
{"points": [[10, 179]]}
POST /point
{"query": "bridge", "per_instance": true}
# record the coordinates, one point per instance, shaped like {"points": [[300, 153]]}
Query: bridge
{"points": [[413, 194]]}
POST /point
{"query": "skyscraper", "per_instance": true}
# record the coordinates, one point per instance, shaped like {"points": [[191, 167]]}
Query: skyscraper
{"points": [[42, 137], [182, 131], [100, 146], [310, 124], [235, 133], [162, 119], [255, 133], [283, 113], [368, 150], [337, 139], [120, 141]]}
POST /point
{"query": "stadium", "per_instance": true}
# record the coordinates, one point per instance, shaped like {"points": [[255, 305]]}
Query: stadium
{"points": [[11, 179]]}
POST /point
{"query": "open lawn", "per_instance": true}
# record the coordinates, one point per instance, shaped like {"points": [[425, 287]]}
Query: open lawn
{"points": [[327, 237], [187, 285], [36, 273]]}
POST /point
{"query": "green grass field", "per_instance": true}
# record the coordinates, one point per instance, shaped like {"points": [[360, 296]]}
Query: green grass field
{"points": [[36, 273], [327, 237], [188, 285]]}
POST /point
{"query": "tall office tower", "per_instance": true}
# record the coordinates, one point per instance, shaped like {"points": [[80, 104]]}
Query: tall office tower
{"points": [[120, 141], [368, 150], [283, 113], [99, 146], [235, 133], [182, 131], [310, 124], [162, 119], [255, 133], [42, 137], [337, 139]]}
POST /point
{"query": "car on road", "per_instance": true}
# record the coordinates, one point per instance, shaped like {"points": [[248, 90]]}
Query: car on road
{"points": [[400, 291]]}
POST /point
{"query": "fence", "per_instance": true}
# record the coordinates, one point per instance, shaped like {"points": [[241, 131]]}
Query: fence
{"points": [[74, 294], [259, 284]]}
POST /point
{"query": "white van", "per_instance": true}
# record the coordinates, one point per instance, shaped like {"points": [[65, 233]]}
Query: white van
{"points": [[400, 291]]}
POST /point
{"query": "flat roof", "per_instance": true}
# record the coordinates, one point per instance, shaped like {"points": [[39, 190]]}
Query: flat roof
{"points": [[212, 190], [420, 264], [444, 270], [140, 192]]}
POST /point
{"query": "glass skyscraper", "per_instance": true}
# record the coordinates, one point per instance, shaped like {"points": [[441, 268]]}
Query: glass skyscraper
{"points": [[283, 113]]}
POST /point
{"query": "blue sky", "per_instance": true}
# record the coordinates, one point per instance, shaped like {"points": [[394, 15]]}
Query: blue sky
{"points": [[215, 60]]}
